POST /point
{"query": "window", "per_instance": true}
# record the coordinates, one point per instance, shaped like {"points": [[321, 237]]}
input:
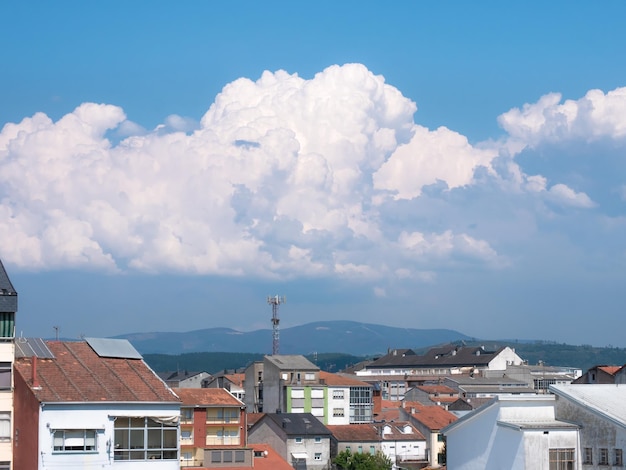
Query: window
{"points": [[338, 394], [240, 456], [5, 465], [309, 376], [186, 414], [318, 439], [604, 456], [145, 438], [5, 376], [561, 459], [75, 440], [618, 458], [439, 437], [372, 450], [7, 324], [5, 427], [186, 435], [338, 412], [360, 449], [216, 456], [318, 456], [186, 456], [587, 456], [298, 440], [227, 456]]}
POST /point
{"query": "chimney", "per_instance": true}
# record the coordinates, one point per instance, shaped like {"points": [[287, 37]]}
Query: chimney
{"points": [[35, 379]]}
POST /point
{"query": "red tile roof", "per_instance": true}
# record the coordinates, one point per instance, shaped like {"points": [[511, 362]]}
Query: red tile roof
{"points": [[354, 432], [610, 369], [432, 416], [397, 433], [78, 374], [236, 379], [270, 461], [207, 397], [341, 380], [440, 389]]}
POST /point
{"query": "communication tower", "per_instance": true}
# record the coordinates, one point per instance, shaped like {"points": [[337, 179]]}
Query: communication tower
{"points": [[275, 302]]}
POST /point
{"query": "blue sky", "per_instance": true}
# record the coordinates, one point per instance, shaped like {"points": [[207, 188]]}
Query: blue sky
{"points": [[164, 166]]}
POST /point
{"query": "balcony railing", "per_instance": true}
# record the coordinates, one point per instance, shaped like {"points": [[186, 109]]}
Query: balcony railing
{"points": [[222, 420], [222, 441]]}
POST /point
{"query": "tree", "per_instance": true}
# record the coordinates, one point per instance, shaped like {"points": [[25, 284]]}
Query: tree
{"points": [[359, 461]]}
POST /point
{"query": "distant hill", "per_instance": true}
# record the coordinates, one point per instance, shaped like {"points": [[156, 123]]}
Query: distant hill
{"points": [[347, 337]]}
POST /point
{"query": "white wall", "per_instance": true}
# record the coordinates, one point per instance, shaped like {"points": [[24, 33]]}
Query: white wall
{"points": [[99, 417], [343, 403]]}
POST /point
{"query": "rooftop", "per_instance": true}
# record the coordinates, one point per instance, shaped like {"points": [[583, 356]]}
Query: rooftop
{"points": [[77, 373], [207, 397]]}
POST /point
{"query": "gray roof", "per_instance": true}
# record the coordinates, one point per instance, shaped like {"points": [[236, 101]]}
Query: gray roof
{"points": [[291, 362], [606, 400], [446, 356], [8, 295], [297, 424]]}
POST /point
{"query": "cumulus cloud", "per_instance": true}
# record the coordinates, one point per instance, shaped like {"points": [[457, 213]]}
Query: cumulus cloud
{"points": [[596, 115], [281, 177], [431, 156]]}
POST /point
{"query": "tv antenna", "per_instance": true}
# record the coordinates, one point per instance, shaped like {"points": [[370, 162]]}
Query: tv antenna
{"points": [[275, 302]]}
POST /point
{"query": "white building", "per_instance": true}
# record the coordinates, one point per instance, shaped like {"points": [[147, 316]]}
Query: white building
{"points": [[600, 410], [513, 432], [92, 404], [8, 308]]}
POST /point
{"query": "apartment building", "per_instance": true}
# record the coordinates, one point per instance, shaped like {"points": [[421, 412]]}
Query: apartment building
{"points": [[8, 309]]}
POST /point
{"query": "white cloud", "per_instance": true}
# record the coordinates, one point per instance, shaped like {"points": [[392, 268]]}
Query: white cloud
{"points": [[592, 117], [431, 156], [567, 196], [282, 177]]}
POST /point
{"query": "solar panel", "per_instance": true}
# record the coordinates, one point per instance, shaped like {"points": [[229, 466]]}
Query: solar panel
{"points": [[117, 348], [32, 347]]}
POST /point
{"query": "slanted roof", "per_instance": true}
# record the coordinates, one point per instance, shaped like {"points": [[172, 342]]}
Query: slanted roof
{"points": [[291, 362], [605, 400], [8, 295], [542, 418], [396, 431], [354, 432], [446, 356], [340, 380], [270, 459], [178, 375], [78, 374], [296, 424], [207, 397], [432, 416]]}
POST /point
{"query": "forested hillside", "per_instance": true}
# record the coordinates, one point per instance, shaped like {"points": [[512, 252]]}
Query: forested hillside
{"points": [[552, 354]]}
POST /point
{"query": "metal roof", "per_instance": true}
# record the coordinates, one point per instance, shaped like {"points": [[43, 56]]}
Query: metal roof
{"points": [[32, 347], [117, 348], [8, 295]]}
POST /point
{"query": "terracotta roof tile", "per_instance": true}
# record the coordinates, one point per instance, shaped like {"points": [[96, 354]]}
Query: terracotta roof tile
{"points": [[354, 432], [398, 433], [432, 416], [236, 379], [271, 461], [77, 373], [341, 380], [207, 397]]}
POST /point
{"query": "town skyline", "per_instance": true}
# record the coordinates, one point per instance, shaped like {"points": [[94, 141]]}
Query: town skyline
{"points": [[168, 167]]}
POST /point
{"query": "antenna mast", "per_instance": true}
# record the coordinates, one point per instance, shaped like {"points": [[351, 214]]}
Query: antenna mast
{"points": [[275, 302]]}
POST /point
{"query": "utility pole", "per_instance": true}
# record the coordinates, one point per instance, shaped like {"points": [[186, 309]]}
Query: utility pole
{"points": [[275, 302]]}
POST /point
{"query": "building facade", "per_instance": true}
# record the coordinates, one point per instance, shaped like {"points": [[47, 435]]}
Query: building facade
{"points": [[91, 404], [8, 309], [212, 429]]}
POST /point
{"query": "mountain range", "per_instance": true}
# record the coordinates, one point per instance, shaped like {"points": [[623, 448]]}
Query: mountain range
{"points": [[348, 337]]}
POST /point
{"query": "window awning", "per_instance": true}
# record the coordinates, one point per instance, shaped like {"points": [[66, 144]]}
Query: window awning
{"points": [[299, 455]]}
